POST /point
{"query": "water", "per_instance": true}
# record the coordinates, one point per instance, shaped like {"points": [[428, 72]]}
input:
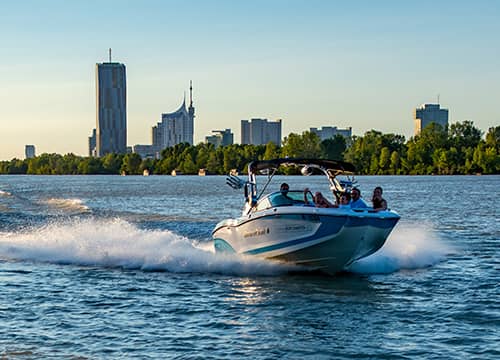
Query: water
{"points": [[112, 267]]}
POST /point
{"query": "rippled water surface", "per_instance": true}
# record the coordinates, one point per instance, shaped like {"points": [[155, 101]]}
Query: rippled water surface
{"points": [[113, 267]]}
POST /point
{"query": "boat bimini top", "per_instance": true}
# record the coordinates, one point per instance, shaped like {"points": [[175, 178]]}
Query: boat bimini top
{"points": [[330, 168]]}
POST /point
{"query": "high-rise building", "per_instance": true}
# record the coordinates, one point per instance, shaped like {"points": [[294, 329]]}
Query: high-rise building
{"points": [[146, 151], [260, 131], [190, 122], [29, 151], [220, 138], [328, 132], [176, 127], [111, 95], [428, 113], [92, 143]]}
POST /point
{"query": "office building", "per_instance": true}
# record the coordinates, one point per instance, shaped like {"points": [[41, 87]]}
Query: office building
{"points": [[428, 113], [220, 138], [29, 151], [146, 151], [111, 95], [328, 132], [260, 131], [92, 144], [176, 127]]}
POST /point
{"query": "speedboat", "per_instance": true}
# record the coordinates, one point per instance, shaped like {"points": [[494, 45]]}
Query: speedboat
{"points": [[288, 227]]}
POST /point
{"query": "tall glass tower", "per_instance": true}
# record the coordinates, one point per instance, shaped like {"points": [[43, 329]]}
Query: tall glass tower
{"points": [[111, 99]]}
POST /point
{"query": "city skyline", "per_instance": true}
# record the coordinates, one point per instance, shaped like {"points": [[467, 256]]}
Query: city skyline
{"points": [[312, 64]]}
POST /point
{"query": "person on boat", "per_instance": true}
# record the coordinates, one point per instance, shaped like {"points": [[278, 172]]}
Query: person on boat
{"points": [[282, 198], [284, 188], [318, 200], [379, 203], [356, 201], [322, 202], [345, 199]]}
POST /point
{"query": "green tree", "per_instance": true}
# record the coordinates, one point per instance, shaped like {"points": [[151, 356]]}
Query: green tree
{"points": [[90, 165], [334, 148], [464, 135], [213, 162], [232, 158], [188, 166], [306, 145], [16, 166], [147, 164], [203, 154], [131, 164], [493, 137], [112, 163], [395, 163], [421, 149], [384, 160], [272, 151], [364, 152]]}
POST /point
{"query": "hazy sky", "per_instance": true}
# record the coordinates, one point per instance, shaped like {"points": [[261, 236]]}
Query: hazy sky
{"points": [[364, 64]]}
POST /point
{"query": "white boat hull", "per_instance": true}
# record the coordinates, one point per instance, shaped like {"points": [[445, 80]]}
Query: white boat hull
{"points": [[325, 239]]}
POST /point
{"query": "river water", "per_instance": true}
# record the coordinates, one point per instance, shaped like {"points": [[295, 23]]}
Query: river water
{"points": [[112, 267]]}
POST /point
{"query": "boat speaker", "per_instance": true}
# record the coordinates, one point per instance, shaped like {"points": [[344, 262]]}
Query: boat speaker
{"points": [[306, 171]]}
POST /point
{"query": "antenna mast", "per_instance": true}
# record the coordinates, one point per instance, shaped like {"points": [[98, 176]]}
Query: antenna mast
{"points": [[109, 54], [438, 99], [191, 93]]}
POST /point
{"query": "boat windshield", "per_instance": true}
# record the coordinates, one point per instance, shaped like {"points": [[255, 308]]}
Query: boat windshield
{"points": [[293, 197]]}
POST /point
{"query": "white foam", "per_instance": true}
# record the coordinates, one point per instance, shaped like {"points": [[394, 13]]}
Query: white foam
{"points": [[67, 204], [117, 243], [408, 247]]}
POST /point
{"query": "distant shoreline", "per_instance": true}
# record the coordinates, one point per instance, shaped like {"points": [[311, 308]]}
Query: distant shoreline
{"points": [[459, 150]]}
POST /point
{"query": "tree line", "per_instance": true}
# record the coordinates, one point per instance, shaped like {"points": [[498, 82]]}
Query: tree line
{"points": [[459, 149]]}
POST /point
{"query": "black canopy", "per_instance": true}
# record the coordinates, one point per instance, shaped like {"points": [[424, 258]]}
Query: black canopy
{"points": [[256, 166]]}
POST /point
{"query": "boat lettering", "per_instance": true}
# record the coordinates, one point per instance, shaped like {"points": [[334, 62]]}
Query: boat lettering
{"points": [[258, 232], [295, 228]]}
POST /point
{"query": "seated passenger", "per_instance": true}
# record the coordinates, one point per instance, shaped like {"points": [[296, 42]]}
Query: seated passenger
{"points": [[379, 203], [356, 201], [345, 198], [321, 202], [306, 199], [282, 198]]}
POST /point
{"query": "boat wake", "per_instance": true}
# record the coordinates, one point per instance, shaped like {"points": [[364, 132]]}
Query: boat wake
{"points": [[5, 193], [118, 243], [408, 247], [66, 205]]}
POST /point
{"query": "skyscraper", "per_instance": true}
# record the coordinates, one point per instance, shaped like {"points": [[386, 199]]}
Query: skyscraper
{"points": [[260, 131], [176, 127], [428, 113], [111, 98], [29, 151], [328, 132], [190, 122], [92, 143], [220, 138]]}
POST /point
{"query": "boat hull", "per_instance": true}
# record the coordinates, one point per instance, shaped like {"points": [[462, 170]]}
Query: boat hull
{"points": [[324, 239]]}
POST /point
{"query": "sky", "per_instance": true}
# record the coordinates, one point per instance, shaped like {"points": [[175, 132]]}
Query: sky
{"points": [[312, 63]]}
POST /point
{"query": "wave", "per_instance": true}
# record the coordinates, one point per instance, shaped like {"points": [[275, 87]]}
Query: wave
{"points": [[5, 193], [67, 204], [408, 247], [117, 243]]}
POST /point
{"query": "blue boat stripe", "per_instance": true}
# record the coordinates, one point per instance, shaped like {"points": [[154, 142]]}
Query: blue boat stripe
{"points": [[221, 245], [280, 246]]}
